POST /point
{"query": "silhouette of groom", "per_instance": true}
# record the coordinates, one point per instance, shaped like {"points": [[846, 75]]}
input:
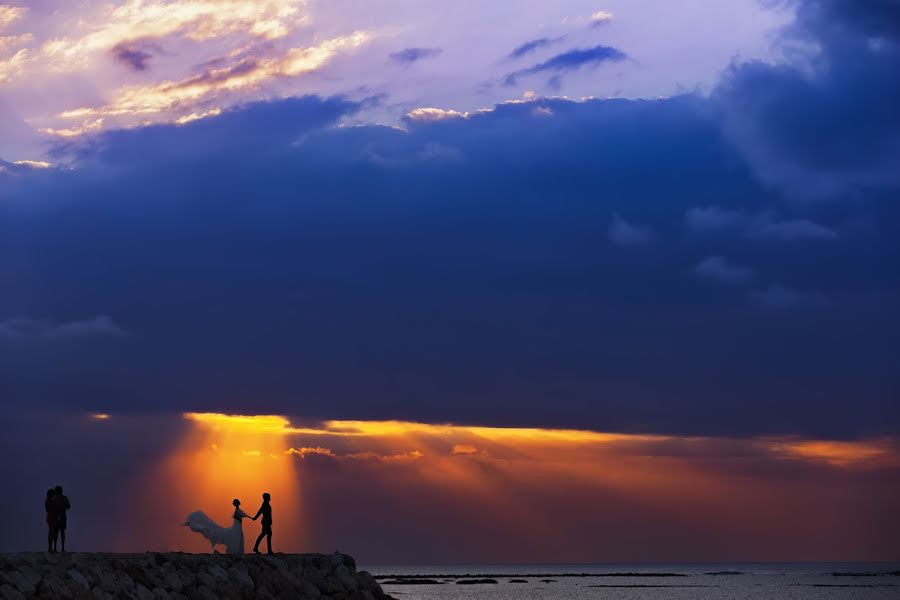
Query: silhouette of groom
{"points": [[266, 511]]}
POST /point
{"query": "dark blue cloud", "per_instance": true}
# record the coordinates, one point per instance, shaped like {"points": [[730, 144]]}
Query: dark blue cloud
{"points": [[827, 125], [411, 55], [719, 269], [463, 269], [572, 60], [532, 45]]}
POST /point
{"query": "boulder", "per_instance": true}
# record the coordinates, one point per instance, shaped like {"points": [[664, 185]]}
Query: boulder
{"points": [[178, 576]]}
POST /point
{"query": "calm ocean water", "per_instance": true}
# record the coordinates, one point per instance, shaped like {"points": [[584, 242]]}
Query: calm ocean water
{"points": [[647, 582]]}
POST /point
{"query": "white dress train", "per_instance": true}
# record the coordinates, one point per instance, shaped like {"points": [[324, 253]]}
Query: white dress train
{"points": [[230, 537]]}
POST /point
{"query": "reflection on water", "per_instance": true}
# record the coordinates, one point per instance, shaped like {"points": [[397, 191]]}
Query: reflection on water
{"points": [[651, 582]]}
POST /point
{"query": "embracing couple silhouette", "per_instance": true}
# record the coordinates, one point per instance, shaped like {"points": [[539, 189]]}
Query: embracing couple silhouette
{"points": [[233, 537]]}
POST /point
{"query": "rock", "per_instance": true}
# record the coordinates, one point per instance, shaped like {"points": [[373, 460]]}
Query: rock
{"points": [[367, 582], [229, 590], [206, 580], [161, 594], [475, 581], [239, 575], [310, 589], [98, 593], [177, 576], [204, 593], [30, 574], [173, 582], [142, 593], [79, 579], [52, 587], [347, 581], [21, 583], [10, 593], [218, 573]]}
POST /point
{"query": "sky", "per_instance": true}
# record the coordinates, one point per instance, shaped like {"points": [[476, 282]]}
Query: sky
{"points": [[469, 282]]}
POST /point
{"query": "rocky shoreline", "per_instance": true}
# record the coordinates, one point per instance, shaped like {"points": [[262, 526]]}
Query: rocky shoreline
{"points": [[178, 576]]}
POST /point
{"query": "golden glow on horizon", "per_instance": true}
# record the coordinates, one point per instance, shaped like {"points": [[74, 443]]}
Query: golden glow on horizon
{"points": [[508, 476], [101, 416], [224, 457], [834, 452]]}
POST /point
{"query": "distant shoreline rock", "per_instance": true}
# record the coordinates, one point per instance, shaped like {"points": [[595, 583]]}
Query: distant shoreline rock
{"points": [[178, 576], [412, 581]]}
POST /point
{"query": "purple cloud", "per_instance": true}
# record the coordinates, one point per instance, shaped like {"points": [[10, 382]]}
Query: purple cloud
{"points": [[532, 45], [571, 60], [411, 55], [134, 55]]}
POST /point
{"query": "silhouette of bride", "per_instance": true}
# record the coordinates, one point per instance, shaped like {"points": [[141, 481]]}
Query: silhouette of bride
{"points": [[230, 537]]}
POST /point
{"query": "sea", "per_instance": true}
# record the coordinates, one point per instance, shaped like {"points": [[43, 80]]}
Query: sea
{"points": [[825, 581]]}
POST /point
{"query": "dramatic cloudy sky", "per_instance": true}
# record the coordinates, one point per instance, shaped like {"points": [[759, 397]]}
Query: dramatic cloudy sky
{"points": [[626, 269]]}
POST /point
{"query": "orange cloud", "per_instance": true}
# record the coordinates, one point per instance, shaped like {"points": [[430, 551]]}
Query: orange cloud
{"points": [[196, 20], [840, 453], [301, 452], [250, 74]]}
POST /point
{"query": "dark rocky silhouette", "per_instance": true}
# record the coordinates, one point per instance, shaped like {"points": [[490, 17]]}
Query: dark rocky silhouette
{"points": [[151, 576]]}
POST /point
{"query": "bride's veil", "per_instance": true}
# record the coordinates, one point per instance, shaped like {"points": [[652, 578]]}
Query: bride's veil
{"points": [[212, 531]]}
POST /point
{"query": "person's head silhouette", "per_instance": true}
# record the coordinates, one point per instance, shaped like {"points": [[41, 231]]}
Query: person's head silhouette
{"points": [[58, 490], [236, 502], [267, 497], [51, 492]]}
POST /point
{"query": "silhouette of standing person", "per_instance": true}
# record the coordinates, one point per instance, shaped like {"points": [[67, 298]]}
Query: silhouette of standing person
{"points": [[59, 506], [51, 518], [266, 511]]}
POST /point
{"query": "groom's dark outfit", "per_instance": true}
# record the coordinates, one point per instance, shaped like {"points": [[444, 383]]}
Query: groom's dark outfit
{"points": [[266, 511]]}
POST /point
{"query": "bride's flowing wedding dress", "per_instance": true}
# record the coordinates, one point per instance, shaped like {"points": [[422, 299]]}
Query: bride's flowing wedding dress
{"points": [[230, 537]]}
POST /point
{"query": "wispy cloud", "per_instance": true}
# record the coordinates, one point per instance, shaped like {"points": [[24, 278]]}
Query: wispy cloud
{"points": [[532, 45], [762, 226], [571, 60], [601, 17], [27, 328], [195, 20], [623, 233], [410, 55], [248, 74], [782, 297], [790, 230], [10, 14], [719, 269]]}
